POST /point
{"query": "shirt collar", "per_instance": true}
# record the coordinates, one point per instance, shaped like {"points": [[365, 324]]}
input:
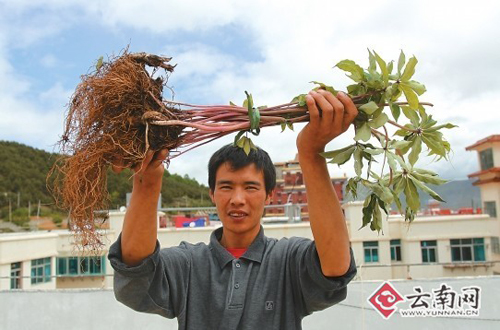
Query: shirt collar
{"points": [[255, 250]]}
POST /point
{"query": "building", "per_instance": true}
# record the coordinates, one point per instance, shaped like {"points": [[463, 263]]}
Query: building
{"points": [[290, 189], [433, 246], [436, 245], [488, 177]]}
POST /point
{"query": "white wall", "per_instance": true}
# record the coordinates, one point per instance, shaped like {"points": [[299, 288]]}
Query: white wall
{"points": [[97, 309]]}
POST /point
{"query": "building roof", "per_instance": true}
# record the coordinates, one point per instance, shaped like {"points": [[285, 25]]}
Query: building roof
{"points": [[489, 139], [480, 182], [490, 170]]}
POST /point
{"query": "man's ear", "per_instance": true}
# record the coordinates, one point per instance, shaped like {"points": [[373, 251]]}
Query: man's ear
{"points": [[268, 197], [211, 194]]}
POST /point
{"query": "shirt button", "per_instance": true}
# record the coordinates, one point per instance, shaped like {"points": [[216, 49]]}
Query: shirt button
{"points": [[236, 286], [238, 265]]}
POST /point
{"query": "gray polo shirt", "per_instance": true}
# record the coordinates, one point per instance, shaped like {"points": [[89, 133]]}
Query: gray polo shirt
{"points": [[272, 286]]}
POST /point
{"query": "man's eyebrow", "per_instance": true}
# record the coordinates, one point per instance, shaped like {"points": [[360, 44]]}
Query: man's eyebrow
{"points": [[255, 183]]}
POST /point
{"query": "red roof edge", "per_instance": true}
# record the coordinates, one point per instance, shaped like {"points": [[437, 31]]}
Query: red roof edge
{"points": [[491, 138], [490, 170]]}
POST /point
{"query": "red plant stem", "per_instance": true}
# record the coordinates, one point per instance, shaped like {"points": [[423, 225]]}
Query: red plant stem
{"points": [[402, 127], [220, 128]]}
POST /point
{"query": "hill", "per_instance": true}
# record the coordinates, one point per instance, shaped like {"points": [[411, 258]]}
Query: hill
{"points": [[456, 193], [23, 171]]}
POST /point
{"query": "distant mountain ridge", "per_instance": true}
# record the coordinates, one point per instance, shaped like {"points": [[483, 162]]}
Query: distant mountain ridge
{"points": [[23, 171], [456, 193]]}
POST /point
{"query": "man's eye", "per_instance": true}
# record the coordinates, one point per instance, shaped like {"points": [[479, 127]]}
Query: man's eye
{"points": [[225, 187], [252, 188]]}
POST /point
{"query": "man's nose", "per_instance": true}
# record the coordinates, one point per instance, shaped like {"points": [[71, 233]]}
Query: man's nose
{"points": [[238, 197]]}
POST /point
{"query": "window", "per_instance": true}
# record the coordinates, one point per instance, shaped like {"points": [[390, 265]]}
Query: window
{"points": [[371, 251], [396, 249], [490, 208], [495, 244], [40, 270], [15, 275], [429, 251], [467, 249], [80, 266], [486, 159]]}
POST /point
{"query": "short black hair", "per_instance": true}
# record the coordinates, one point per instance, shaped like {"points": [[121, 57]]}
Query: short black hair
{"points": [[237, 159]]}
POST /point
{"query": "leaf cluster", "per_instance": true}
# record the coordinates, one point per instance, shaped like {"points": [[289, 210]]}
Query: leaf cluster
{"points": [[385, 93]]}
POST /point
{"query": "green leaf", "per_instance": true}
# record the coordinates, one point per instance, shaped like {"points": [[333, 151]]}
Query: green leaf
{"points": [[237, 138], [352, 187], [409, 69], [247, 146], [396, 111], [331, 154], [376, 223], [373, 64], [325, 87], [398, 159], [369, 108], [435, 128], [368, 207], [430, 179], [411, 115], [374, 152], [383, 68], [399, 185], [381, 120], [283, 126], [410, 95], [426, 189], [342, 156], [241, 142], [390, 66], [358, 161], [289, 125], [422, 171], [391, 161], [99, 63], [400, 144], [401, 62], [363, 133], [300, 99], [231, 103], [398, 203], [416, 86], [356, 71], [415, 150], [434, 146], [382, 192], [412, 198], [253, 113]]}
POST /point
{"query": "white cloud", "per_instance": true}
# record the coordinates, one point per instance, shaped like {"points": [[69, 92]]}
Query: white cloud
{"points": [[455, 42]]}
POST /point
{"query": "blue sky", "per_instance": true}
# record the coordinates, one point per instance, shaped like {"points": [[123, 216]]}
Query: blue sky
{"points": [[272, 49]]}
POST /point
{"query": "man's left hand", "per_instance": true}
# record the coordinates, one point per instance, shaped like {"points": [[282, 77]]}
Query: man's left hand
{"points": [[330, 116]]}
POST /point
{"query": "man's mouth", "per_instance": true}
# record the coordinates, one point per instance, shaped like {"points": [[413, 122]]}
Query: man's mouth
{"points": [[237, 215]]}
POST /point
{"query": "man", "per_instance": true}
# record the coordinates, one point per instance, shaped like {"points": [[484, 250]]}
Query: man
{"points": [[242, 280]]}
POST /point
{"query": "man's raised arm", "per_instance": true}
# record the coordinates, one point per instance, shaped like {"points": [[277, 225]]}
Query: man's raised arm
{"points": [[139, 233], [330, 116]]}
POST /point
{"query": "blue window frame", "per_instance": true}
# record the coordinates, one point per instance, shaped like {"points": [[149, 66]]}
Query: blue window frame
{"points": [[371, 251]]}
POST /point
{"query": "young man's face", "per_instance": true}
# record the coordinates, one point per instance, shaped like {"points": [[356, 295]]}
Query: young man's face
{"points": [[240, 197]]}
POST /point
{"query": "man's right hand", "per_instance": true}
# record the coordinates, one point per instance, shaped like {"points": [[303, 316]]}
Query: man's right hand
{"points": [[150, 171], [140, 224]]}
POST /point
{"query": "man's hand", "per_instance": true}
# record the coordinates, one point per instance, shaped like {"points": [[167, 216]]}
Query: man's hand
{"points": [[139, 226], [330, 116]]}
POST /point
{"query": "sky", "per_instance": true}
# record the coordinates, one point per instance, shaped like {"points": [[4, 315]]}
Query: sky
{"points": [[271, 48]]}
